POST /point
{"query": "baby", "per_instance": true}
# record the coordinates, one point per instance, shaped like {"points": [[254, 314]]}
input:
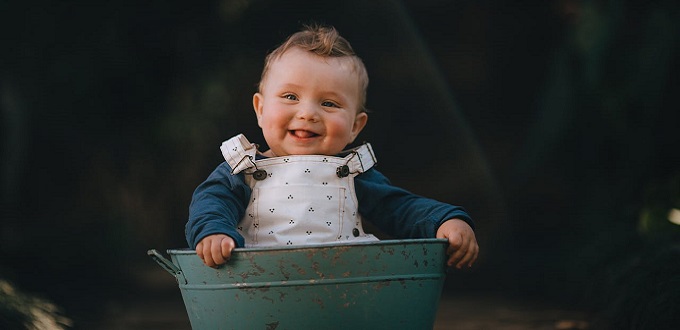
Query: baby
{"points": [[307, 189]]}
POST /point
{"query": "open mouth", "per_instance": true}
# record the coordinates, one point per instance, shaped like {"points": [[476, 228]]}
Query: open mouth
{"points": [[303, 134]]}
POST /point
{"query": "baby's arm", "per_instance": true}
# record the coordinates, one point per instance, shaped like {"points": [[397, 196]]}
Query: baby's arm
{"points": [[215, 249], [463, 248], [402, 214], [216, 207]]}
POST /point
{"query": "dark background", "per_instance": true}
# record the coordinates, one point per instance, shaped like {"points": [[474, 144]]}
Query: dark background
{"points": [[555, 123]]}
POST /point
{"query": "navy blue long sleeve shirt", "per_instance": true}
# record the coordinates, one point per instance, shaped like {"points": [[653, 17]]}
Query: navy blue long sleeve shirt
{"points": [[219, 203]]}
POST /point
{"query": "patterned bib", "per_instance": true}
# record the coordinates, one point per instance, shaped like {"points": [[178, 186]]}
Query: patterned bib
{"points": [[299, 199]]}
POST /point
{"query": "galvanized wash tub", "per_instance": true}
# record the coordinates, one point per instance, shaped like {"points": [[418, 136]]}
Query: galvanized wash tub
{"points": [[392, 284]]}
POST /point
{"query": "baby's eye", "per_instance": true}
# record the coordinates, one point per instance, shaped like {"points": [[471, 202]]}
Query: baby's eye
{"points": [[329, 104], [290, 97]]}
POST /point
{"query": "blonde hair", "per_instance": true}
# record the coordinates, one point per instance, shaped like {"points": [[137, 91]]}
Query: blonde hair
{"points": [[324, 41]]}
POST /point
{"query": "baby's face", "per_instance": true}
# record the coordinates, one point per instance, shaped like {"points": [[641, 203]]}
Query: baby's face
{"points": [[308, 105]]}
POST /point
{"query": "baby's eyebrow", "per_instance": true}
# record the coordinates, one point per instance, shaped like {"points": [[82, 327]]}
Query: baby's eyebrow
{"points": [[331, 93], [290, 86]]}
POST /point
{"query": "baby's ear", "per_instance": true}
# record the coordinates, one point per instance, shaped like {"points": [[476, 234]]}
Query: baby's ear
{"points": [[359, 123], [258, 103]]}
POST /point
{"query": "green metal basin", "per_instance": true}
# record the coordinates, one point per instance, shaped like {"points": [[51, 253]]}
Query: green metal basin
{"points": [[391, 284]]}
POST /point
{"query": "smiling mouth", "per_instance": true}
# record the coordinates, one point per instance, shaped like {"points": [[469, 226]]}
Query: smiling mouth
{"points": [[303, 134]]}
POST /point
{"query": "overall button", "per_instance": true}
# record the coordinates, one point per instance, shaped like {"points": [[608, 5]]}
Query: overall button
{"points": [[355, 232], [260, 175], [342, 171]]}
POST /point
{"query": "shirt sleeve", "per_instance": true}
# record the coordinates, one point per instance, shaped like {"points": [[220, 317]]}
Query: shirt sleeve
{"points": [[217, 206], [399, 212]]}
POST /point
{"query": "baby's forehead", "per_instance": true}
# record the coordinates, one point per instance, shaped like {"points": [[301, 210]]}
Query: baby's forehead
{"points": [[349, 63]]}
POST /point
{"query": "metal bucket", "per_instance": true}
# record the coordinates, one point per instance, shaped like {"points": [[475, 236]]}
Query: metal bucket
{"points": [[392, 284]]}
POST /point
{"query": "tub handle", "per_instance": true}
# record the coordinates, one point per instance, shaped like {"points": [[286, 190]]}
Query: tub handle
{"points": [[164, 262]]}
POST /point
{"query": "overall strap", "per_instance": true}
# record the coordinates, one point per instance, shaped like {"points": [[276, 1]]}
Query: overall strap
{"points": [[239, 153], [360, 159]]}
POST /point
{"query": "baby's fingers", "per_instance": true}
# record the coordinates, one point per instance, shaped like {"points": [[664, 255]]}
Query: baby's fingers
{"points": [[462, 250], [227, 245], [199, 250], [203, 252], [216, 252], [469, 257], [457, 252]]}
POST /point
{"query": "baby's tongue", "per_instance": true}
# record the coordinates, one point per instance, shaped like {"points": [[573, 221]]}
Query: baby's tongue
{"points": [[303, 134]]}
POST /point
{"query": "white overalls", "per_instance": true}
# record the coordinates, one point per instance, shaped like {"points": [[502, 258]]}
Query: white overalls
{"points": [[299, 199]]}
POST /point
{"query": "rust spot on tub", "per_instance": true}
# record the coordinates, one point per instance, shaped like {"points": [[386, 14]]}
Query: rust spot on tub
{"points": [[387, 250], [315, 267], [363, 259], [339, 252], [318, 301], [381, 285], [282, 269], [299, 269], [259, 268], [249, 291]]}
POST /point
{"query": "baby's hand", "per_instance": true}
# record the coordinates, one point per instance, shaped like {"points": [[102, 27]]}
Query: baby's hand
{"points": [[215, 249], [463, 248]]}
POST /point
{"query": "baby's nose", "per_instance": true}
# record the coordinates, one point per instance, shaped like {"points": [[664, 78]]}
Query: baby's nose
{"points": [[308, 112]]}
